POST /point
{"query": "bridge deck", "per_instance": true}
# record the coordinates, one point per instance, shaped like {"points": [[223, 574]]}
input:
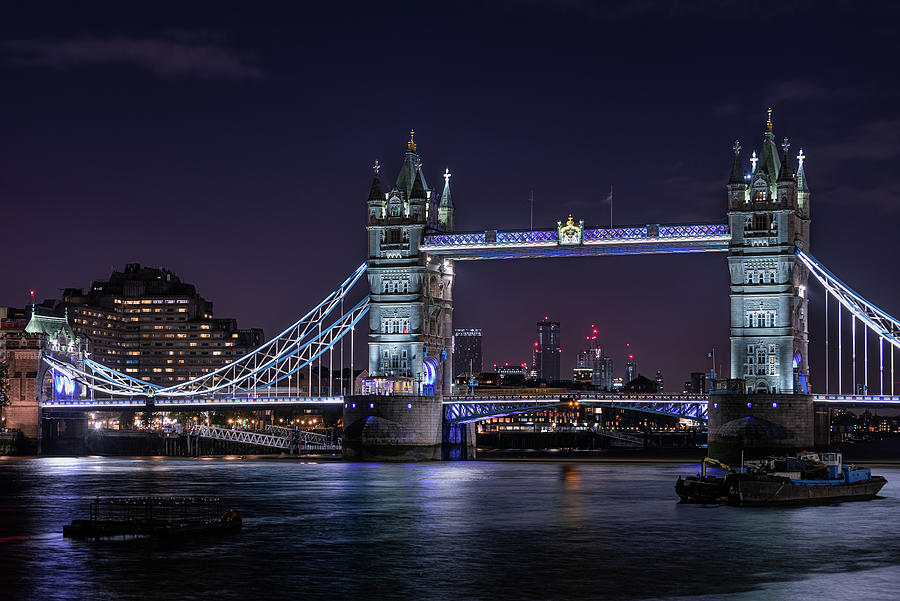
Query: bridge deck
{"points": [[262, 401], [638, 239]]}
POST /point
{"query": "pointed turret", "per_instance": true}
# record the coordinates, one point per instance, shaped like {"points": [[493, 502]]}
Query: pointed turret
{"points": [[801, 174], [418, 198], [408, 171], [375, 192], [418, 187], [785, 174], [802, 186], [786, 185], [376, 196], [445, 208], [737, 175], [768, 154], [737, 186]]}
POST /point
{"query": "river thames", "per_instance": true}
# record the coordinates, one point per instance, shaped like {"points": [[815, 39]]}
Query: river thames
{"points": [[466, 530]]}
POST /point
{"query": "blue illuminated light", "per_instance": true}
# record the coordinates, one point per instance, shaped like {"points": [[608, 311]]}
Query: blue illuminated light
{"points": [[429, 369], [354, 406], [749, 405], [371, 405], [715, 405], [775, 405], [409, 405], [64, 386]]}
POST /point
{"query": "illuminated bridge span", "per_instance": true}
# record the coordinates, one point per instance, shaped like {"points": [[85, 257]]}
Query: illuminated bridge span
{"points": [[632, 240], [470, 409]]}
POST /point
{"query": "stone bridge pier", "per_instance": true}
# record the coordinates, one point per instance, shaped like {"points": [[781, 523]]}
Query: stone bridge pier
{"points": [[403, 428]]}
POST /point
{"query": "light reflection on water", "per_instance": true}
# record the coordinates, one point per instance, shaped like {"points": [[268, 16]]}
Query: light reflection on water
{"points": [[468, 530]]}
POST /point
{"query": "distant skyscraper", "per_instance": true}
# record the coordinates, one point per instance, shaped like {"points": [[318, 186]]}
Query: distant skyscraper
{"points": [[631, 370], [547, 350], [659, 382], [467, 351], [603, 373], [593, 367], [699, 382]]}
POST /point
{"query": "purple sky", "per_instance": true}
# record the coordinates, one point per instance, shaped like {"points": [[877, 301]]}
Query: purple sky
{"points": [[235, 149]]}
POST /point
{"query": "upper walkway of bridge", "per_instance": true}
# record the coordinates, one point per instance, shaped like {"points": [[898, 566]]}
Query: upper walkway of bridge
{"points": [[574, 240]]}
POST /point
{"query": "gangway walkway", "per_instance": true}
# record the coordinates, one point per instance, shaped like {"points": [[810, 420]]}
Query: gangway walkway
{"points": [[293, 441], [632, 441]]}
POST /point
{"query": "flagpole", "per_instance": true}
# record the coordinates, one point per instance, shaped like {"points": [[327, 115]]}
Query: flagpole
{"points": [[531, 198], [610, 206]]}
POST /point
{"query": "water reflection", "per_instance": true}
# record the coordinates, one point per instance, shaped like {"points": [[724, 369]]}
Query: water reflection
{"points": [[497, 530]]}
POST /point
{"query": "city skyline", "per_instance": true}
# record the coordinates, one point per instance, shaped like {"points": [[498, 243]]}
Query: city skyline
{"points": [[293, 171]]}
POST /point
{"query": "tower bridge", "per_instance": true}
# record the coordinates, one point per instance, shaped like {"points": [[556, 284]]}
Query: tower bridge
{"points": [[407, 409]]}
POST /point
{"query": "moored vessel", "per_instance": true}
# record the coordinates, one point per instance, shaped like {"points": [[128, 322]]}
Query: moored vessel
{"points": [[803, 480], [154, 516]]}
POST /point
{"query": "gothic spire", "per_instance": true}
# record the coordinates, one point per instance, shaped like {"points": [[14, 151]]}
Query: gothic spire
{"points": [[768, 154], [408, 171], [418, 187], [737, 176], [785, 174], [375, 192], [801, 173], [446, 199]]}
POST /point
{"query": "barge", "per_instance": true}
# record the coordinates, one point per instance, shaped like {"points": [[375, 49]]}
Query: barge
{"points": [[154, 517], [807, 479]]}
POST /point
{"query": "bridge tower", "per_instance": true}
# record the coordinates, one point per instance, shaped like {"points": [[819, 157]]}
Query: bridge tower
{"points": [[768, 214], [411, 307]]}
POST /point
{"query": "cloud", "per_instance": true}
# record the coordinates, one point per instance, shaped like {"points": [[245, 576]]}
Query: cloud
{"points": [[179, 54], [874, 141], [885, 196], [727, 110]]}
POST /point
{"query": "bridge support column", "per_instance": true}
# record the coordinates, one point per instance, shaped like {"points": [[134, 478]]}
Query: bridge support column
{"points": [[459, 442], [759, 425], [393, 428]]}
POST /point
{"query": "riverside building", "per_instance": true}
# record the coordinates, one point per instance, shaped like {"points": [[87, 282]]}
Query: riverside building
{"points": [[150, 325]]}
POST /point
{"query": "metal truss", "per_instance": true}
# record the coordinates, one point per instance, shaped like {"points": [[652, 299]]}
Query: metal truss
{"points": [[632, 440], [463, 410], [885, 326], [242, 436], [275, 437], [857, 400], [272, 363], [641, 239], [552, 236], [695, 411], [303, 438], [467, 413]]}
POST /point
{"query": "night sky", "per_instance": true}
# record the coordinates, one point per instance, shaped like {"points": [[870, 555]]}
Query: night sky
{"points": [[234, 147]]}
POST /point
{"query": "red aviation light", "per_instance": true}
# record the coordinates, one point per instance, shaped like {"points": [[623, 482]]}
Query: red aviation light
{"points": [[631, 356]]}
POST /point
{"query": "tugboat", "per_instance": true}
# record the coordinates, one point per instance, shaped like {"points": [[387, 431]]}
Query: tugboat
{"points": [[704, 489], [803, 480]]}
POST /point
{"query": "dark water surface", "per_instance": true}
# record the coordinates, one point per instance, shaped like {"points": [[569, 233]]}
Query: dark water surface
{"points": [[467, 530]]}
